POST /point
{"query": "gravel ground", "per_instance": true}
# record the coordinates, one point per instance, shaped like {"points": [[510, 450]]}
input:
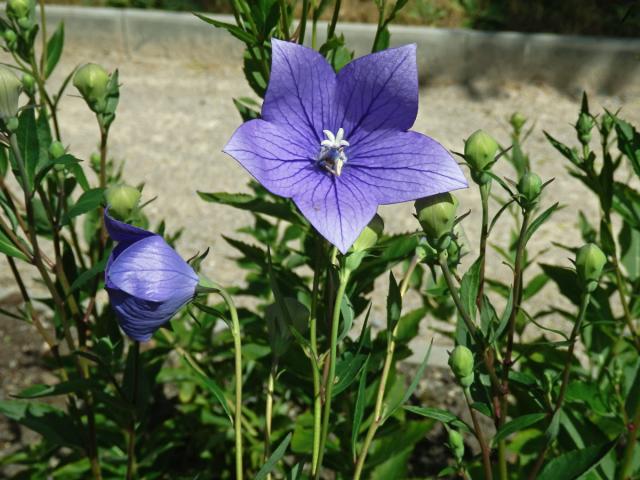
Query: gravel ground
{"points": [[175, 116]]}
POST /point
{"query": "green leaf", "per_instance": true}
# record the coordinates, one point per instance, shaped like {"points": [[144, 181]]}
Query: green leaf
{"points": [[54, 49], [63, 388], [412, 387], [234, 30], [247, 107], [89, 200], [443, 416], [346, 309], [210, 385], [516, 425], [88, 275], [8, 248], [29, 147], [409, 323], [394, 304], [568, 153], [302, 440], [65, 160], [251, 204], [469, 289], [358, 412], [539, 221], [534, 286], [576, 463], [275, 457], [630, 251]]}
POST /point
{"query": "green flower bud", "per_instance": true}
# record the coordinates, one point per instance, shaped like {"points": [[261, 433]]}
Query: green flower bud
{"points": [[92, 80], [517, 121], [10, 88], [590, 261], [480, 150], [437, 215], [608, 123], [56, 149], [456, 443], [122, 200], [11, 38], [370, 235], [584, 126], [461, 363], [21, 9], [28, 83], [530, 186]]}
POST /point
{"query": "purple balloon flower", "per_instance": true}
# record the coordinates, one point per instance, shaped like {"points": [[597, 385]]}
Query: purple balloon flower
{"points": [[147, 281], [337, 144]]}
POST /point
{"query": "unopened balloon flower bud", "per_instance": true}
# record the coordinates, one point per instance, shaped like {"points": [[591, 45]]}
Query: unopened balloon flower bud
{"points": [[517, 121], [10, 88], [370, 235], [480, 151], [20, 9], [29, 83], [456, 443], [437, 215], [122, 200], [590, 261], [92, 80], [607, 124], [56, 149], [584, 126], [530, 186], [11, 38], [461, 363]]}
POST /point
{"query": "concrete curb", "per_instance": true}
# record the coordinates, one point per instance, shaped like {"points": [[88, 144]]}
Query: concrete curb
{"points": [[569, 63]]}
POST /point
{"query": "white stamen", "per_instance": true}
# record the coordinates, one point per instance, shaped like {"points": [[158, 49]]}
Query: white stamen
{"points": [[332, 156]]}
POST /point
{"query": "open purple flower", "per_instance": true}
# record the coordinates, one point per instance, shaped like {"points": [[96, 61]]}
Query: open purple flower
{"points": [[147, 281], [337, 144]]}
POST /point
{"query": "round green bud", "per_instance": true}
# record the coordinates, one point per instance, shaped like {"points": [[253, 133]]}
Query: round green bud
{"points": [[122, 200], [584, 126], [517, 121], [12, 124], [456, 443], [437, 215], [10, 88], [370, 235], [20, 9], [56, 149], [28, 83], [461, 362], [11, 38], [480, 150], [530, 186], [590, 261], [92, 80]]}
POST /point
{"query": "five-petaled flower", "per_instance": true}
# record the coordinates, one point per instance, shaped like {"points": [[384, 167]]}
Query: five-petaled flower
{"points": [[338, 144], [147, 281]]}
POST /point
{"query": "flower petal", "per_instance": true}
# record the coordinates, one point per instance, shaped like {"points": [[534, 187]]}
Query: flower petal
{"points": [[338, 210], [123, 232], [151, 270], [281, 161], [402, 166], [301, 91], [141, 318], [378, 91]]}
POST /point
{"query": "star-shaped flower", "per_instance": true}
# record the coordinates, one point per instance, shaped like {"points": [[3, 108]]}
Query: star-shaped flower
{"points": [[338, 144]]}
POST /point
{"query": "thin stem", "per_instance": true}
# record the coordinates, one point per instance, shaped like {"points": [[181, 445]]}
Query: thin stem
{"points": [[303, 21], [313, 340], [334, 20], [632, 439], [268, 415], [586, 298], [380, 27], [131, 449], [104, 136], [386, 368], [43, 21], [237, 347], [485, 190], [484, 447], [285, 18], [335, 324]]}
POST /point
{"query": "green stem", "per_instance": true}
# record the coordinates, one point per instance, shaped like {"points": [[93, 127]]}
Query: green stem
{"points": [[586, 298], [335, 324], [303, 21], [484, 447], [285, 18], [386, 369], [268, 415], [313, 340], [131, 448], [632, 439], [380, 27], [334, 20], [485, 190], [237, 347]]}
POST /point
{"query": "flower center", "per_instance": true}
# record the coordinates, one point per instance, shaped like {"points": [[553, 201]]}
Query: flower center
{"points": [[332, 156]]}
